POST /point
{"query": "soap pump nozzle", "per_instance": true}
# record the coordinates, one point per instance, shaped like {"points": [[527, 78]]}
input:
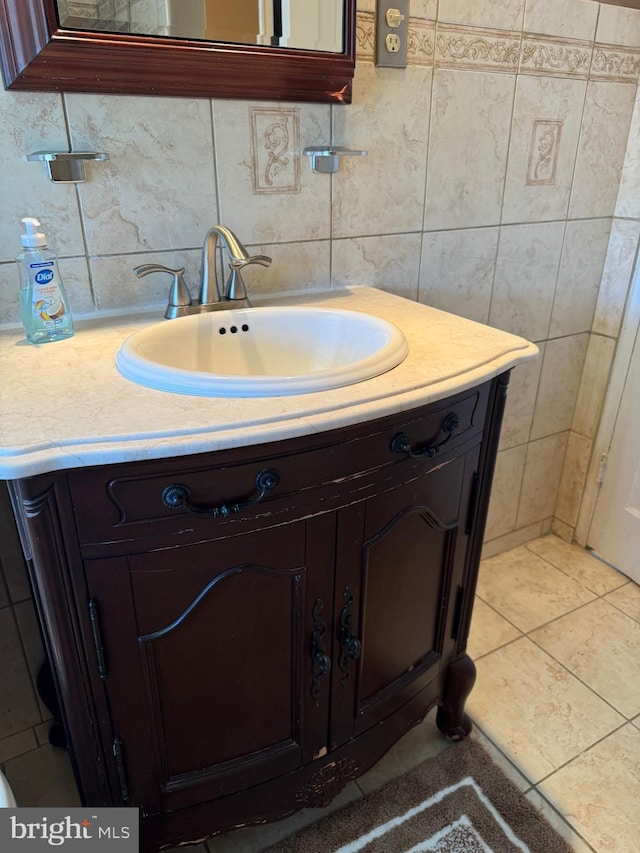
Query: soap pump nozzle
{"points": [[32, 238]]}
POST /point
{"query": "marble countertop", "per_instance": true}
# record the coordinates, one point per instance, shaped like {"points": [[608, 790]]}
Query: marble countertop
{"points": [[65, 405]]}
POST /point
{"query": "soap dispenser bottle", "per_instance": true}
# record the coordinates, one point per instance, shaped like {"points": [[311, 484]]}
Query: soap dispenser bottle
{"points": [[44, 306]]}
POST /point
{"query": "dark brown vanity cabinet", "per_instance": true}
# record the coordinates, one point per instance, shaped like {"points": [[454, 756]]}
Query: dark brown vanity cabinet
{"points": [[236, 635]]}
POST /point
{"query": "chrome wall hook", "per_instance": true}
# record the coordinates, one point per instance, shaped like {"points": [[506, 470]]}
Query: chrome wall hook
{"points": [[325, 158], [66, 167]]}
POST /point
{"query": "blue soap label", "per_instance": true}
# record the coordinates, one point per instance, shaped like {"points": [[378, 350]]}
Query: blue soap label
{"points": [[44, 276]]}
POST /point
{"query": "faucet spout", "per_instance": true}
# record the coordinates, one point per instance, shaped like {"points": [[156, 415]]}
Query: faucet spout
{"points": [[235, 289]]}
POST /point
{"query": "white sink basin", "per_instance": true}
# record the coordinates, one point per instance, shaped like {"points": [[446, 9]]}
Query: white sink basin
{"points": [[261, 352]]}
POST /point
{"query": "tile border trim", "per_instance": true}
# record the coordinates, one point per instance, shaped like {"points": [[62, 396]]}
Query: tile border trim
{"points": [[453, 46]]}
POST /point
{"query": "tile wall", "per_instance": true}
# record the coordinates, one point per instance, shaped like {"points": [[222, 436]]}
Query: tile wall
{"points": [[502, 182]]}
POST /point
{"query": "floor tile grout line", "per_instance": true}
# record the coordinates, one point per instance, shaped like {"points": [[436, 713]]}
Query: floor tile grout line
{"points": [[549, 560], [584, 683], [565, 820], [533, 786], [538, 645]]}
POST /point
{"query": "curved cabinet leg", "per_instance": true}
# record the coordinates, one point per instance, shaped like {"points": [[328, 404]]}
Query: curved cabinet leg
{"points": [[451, 718]]}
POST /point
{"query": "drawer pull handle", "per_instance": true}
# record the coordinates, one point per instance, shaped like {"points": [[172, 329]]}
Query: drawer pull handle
{"points": [[350, 645], [401, 443], [320, 661], [177, 496]]}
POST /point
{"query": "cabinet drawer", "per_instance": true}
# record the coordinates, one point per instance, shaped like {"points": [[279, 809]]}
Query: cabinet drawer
{"points": [[271, 483]]}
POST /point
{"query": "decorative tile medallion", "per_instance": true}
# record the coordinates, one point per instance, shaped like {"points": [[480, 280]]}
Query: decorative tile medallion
{"points": [[543, 154], [477, 50], [275, 150], [560, 57]]}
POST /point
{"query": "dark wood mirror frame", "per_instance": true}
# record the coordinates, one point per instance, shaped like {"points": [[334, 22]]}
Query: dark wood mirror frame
{"points": [[38, 56]]}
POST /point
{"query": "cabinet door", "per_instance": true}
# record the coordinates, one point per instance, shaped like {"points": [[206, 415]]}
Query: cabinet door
{"points": [[209, 672], [400, 563]]}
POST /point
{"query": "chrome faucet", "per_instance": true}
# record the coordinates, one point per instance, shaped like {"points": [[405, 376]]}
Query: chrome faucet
{"points": [[235, 289], [210, 297]]}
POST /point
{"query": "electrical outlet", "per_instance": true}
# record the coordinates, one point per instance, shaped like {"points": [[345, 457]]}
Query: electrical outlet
{"points": [[392, 43], [392, 25]]}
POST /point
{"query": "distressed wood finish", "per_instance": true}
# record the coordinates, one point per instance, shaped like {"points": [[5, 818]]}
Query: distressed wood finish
{"points": [[37, 55], [225, 671]]}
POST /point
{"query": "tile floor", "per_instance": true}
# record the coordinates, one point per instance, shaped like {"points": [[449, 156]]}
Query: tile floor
{"points": [[556, 640]]}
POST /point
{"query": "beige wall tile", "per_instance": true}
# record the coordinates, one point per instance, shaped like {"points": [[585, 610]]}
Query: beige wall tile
{"points": [[616, 277], [563, 531], [470, 49], [366, 35], [559, 384], [542, 149], [628, 202], [456, 271], [556, 57], [574, 472], [468, 148], [613, 63], [259, 143], [32, 121], [581, 265], [572, 18], [148, 195], [525, 281], [618, 25], [521, 400], [507, 482], [516, 538], [605, 127], [424, 9], [303, 266], [593, 385], [382, 193], [502, 14], [542, 471], [391, 263], [117, 287]]}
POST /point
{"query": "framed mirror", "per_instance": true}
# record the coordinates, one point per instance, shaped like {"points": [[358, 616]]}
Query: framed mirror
{"points": [[46, 46]]}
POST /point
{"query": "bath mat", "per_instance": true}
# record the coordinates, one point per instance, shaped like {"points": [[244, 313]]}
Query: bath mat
{"points": [[457, 802]]}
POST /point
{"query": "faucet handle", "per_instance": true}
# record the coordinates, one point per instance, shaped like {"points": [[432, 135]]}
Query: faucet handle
{"points": [[239, 263], [179, 295]]}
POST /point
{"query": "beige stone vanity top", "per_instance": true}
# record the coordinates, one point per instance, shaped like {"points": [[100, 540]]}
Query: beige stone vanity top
{"points": [[64, 404]]}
